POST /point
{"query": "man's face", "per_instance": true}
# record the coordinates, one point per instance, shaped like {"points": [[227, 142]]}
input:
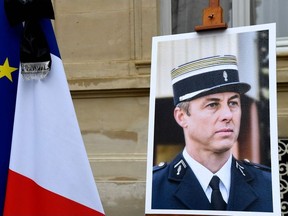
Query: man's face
{"points": [[214, 122]]}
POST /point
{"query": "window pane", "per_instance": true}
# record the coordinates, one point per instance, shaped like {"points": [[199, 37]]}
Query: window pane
{"points": [[186, 14], [271, 11]]}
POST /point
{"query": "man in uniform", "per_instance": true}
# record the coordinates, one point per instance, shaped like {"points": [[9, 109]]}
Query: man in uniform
{"points": [[206, 176]]}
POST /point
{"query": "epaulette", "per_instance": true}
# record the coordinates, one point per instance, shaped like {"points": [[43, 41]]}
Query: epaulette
{"points": [[160, 166], [256, 165]]}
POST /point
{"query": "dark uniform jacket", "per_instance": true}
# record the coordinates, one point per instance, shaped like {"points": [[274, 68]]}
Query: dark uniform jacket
{"points": [[175, 187]]}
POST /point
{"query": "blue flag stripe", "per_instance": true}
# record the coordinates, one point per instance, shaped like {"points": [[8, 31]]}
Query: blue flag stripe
{"points": [[9, 53]]}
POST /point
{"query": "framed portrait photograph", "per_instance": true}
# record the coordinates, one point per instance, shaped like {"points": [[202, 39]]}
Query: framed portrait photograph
{"points": [[212, 139]]}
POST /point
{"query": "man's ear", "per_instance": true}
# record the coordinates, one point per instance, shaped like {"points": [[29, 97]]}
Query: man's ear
{"points": [[179, 116]]}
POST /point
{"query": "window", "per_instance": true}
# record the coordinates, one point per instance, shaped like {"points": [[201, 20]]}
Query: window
{"points": [[270, 11], [273, 11], [181, 16]]}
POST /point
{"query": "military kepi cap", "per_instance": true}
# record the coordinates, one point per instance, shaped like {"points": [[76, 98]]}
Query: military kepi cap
{"points": [[206, 76]]}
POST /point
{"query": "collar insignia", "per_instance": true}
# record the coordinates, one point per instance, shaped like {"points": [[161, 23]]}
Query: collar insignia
{"points": [[179, 166], [241, 168]]}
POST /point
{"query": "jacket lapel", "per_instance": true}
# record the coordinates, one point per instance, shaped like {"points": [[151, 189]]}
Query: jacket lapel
{"points": [[191, 194], [241, 193], [189, 191]]}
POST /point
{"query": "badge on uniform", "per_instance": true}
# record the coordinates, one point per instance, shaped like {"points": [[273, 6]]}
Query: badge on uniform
{"points": [[241, 168], [225, 76], [178, 167]]}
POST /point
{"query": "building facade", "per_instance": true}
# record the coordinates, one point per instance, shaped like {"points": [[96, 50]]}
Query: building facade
{"points": [[106, 51]]}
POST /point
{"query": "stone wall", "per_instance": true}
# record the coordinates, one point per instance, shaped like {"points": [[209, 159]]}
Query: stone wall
{"points": [[106, 50], [282, 95]]}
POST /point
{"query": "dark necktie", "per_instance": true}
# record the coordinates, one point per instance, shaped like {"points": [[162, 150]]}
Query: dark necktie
{"points": [[217, 201]]}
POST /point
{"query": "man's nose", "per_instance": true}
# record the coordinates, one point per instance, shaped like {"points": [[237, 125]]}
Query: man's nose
{"points": [[226, 113]]}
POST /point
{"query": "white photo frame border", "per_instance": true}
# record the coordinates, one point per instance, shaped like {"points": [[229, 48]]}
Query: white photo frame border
{"points": [[273, 118]]}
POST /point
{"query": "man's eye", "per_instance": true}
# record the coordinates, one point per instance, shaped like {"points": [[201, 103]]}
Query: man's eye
{"points": [[212, 105], [233, 103]]}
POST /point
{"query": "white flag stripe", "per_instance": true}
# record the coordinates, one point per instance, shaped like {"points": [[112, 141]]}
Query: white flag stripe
{"points": [[47, 145]]}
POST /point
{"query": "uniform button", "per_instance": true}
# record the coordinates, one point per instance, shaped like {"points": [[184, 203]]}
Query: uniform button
{"points": [[161, 164]]}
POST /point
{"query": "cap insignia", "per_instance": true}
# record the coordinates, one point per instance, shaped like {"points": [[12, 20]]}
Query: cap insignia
{"points": [[225, 75]]}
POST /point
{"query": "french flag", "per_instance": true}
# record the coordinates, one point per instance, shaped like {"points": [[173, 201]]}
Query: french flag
{"points": [[47, 169]]}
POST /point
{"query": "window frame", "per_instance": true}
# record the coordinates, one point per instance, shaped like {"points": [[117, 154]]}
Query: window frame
{"points": [[241, 16]]}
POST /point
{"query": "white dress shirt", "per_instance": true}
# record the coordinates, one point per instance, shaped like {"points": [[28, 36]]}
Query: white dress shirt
{"points": [[204, 176]]}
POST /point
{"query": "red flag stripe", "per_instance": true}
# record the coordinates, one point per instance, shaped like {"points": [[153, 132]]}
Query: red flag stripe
{"points": [[24, 197]]}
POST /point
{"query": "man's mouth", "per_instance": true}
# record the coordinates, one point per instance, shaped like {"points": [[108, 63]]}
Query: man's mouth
{"points": [[225, 130]]}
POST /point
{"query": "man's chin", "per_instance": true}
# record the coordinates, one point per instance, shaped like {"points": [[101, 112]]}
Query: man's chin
{"points": [[224, 147]]}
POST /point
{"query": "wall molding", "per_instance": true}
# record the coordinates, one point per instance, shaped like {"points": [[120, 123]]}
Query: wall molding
{"points": [[282, 87], [110, 93]]}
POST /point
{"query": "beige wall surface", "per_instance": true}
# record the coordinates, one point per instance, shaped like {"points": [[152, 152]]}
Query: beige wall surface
{"points": [[115, 135], [106, 44], [106, 50], [282, 96]]}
